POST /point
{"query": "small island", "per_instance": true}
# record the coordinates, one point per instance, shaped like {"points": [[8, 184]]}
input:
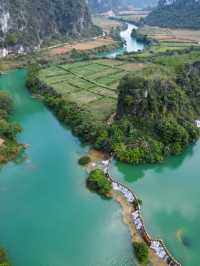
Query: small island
{"points": [[98, 182]]}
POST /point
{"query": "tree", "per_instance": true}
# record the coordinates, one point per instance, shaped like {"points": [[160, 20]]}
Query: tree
{"points": [[6, 104], [141, 252], [97, 181]]}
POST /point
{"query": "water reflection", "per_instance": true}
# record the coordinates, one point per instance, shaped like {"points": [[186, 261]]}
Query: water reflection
{"points": [[170, 195]]}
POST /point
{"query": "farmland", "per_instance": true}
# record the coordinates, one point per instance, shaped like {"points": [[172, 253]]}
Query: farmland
{"points": [[90, 84], [171, 35], [105, 23]]}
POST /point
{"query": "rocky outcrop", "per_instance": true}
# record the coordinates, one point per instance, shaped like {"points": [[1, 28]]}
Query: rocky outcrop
{"points": [[26, 24]]}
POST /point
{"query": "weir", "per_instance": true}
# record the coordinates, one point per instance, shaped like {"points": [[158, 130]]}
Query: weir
{"points": [[157, 245]]}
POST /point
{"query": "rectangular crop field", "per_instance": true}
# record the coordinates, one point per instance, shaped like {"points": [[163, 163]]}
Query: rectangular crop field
{"points": [[90, 84]]}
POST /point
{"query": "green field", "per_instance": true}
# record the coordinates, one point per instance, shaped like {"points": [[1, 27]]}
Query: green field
{"points": [[90, 84]]}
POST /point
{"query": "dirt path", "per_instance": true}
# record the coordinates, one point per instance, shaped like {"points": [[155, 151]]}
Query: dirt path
{"points": [[126, 217]]}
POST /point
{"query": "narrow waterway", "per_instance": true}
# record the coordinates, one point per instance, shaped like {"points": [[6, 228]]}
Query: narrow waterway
{"points": [[131, 45]]}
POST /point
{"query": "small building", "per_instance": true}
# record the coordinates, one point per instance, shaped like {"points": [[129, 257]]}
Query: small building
{"points": [[197, 123]]}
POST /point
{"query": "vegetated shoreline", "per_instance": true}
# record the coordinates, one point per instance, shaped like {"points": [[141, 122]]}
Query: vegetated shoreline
{"points": [[9, 147], [97, 157], [146, 149]]}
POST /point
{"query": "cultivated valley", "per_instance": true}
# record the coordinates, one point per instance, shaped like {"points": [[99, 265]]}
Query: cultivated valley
{"points": [[99, 133]]}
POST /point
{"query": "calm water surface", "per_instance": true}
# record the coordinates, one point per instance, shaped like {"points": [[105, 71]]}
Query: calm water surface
{"points": [[171, 202], [48, 218], [131, 44]]}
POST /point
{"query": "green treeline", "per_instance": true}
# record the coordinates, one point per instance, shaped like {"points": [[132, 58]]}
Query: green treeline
{"points": [[8, 131]]}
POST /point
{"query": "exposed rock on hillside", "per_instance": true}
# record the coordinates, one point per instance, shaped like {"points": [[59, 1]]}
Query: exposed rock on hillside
{"points": [[25, 24]]}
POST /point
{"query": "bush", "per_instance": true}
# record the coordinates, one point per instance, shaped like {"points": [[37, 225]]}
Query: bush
{"points": [[141, 252], [3, 258], [84, 160], [98, 182], [6, 103]]}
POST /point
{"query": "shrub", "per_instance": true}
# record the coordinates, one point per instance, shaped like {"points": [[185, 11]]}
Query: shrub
{"points": [[84, 160], [3, 258], [141, 252], [6, 103]]}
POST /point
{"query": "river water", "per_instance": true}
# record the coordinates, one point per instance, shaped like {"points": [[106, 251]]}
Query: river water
{"points": [[49, 218], [131, 45]]}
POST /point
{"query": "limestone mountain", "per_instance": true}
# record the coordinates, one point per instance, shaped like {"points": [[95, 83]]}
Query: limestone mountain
{"points": [[28, 23], [176, 14]]}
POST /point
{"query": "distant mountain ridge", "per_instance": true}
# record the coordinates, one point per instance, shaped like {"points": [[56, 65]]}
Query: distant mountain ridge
{"points": [[176, 14], [99, 6], [27, 23]]}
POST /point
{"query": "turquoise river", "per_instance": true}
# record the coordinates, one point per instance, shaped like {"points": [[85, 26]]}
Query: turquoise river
{"points": [[49, 218]]}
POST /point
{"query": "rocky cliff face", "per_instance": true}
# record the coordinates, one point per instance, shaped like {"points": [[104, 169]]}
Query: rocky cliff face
{"points": [[25, 24]]}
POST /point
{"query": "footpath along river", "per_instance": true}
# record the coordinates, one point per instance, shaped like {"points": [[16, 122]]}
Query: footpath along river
{"points": [[49, 218]]}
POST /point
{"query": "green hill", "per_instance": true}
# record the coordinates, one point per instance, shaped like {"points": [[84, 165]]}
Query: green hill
{"points": [[176, 14]]}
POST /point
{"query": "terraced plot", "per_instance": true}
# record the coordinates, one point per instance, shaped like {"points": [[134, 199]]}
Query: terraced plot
{"points": [[90, 84]]}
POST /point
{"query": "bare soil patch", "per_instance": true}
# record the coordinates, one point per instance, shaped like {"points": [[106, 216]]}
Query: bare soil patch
{"points": [[82, 46]]}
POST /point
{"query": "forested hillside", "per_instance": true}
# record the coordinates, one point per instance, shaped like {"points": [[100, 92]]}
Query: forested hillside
{"points": [[27, 23], [176, 14]]}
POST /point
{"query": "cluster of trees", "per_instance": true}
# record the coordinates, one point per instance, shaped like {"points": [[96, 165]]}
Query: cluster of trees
{"points": [[141, 37], [98, 182], [8, 131], [141, 252], [3, 258], [156, 119]]}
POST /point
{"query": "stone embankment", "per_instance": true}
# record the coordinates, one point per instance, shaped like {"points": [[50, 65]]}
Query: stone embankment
{"points": [[156, 246]]}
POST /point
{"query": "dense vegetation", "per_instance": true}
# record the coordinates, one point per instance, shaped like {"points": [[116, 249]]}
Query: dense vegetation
{"points": [[29, 23], [8, 131], [3, 258], [140, 37], [176, 14], [98, 182], [141, 252], [156, 118]]}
